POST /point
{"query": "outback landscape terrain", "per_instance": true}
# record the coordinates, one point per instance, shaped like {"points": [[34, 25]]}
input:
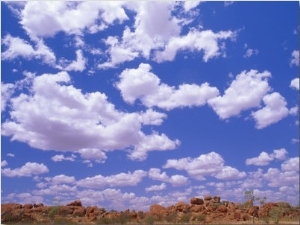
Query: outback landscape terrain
{"points": [[207, 210]]}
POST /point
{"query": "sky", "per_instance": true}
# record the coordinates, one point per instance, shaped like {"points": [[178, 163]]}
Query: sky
{"points": [[128, 104]]}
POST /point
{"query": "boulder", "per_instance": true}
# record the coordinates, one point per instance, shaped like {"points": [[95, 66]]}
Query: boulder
{"points": [[197, 208], [207, 198], [38, 205], [181, 207], [65, 210], [196, 201], [222, 209], [216, 199], [28, 206], [156, 208], [79, 211], [75, 203]]}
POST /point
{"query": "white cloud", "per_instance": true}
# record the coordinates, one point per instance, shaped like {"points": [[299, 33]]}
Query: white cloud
{"points": [[116, 198], [151, 117], [93, 153], [4, 163], [211, 164], [295, 58], [264, 158], [156, 36], [176, 180], [291, 164], [294, 110], [280, 154], [73, 121], [275, 110], [142, 84], [18, 47], [155, 174], [7, 91], [61, 157], [228, 3], [230, 173], [156, 187], [10, 154], [245, 92], [295, 83], [118, 180], [250, 52], [188, 5], [44, 19], [276, 177], [61, 179], [78, 64], [29, 169], [206, 41], [153, 142]]}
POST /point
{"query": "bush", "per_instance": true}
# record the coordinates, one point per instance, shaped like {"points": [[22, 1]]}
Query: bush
{"points": [[186, 218], [171, 217], [53, 211], [150, 220], [276, 213]]}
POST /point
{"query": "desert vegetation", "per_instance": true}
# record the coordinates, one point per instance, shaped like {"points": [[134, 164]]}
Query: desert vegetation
{"points": [[207, 210]]}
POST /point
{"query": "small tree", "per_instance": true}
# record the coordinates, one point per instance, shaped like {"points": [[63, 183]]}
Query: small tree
{"points": [[54, 210], [250, 199], [277, 212]]}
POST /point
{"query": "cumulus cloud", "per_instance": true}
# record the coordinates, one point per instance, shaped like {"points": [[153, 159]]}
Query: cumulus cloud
{"points": [[206, 41], [295, 58], [77, 122], [156, 187], [142, 84], [295, 83], [61, 157], [264, 158], [4, 163], [291, 164], [153, 27], [121, 179], [153, 142], [45, 19], [211, 164], [61, 179], [175, 180], [245, 92], [275, 110], [276, 177], [188, 5], [156, 36], [78, 64], [7, 91], [29, 169], [17, 47]]}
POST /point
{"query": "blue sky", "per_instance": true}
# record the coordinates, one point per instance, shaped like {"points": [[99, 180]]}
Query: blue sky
{"points": [[128, 104]]}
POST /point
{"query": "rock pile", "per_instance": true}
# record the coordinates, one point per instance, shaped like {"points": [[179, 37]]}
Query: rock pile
{"points": [[206, 210]]}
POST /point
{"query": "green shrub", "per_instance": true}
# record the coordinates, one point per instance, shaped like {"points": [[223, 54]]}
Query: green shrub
{"points": [[186, 218], [150, 220]]}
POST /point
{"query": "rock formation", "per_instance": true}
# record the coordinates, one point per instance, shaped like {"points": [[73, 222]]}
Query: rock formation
{"points": [[208, 210]]}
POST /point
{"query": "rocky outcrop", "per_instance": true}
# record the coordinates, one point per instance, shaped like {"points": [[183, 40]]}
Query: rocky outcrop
{"points": [[196, 201], [206, 210]]}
